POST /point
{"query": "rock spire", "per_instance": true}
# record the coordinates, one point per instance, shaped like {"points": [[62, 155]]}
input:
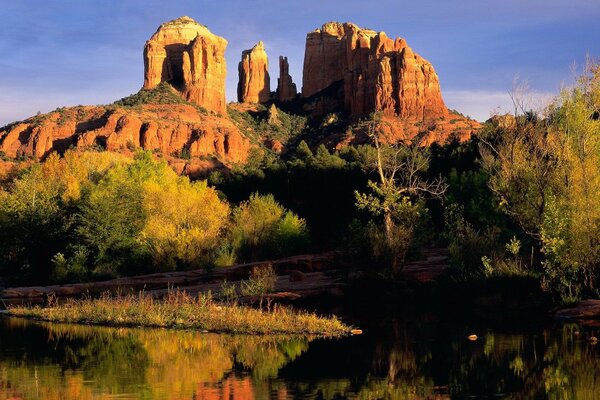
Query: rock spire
{"points": [[255, 83]]}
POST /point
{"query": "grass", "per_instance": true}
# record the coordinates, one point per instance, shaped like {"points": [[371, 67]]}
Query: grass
{"points": [[182, 311], [162, 94]]}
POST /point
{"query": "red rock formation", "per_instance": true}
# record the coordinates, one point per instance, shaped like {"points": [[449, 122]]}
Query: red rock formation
{"points": [[192, 59], [187, 56], [286, 88], [255, 83], [169, 129], [377, 73]]}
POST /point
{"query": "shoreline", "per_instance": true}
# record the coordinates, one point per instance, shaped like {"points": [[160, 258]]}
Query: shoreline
{"points": [[181, 311]]}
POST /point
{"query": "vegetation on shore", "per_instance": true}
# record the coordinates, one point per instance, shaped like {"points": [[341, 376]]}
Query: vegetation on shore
{"points": [[97, 215], [519, 199], [181, 311]]}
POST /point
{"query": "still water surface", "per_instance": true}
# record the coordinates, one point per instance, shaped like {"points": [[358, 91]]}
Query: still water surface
{"points": [[416, 359]]}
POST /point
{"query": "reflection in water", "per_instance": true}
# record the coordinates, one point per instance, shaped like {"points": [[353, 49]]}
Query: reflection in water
{"points": [[409, 361]]}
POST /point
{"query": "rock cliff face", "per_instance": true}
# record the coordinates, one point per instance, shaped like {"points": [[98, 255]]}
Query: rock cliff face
{"points": [[255, 83], [170, 129], [346, 68], [192, 59], [286, 88], [371, 72]]}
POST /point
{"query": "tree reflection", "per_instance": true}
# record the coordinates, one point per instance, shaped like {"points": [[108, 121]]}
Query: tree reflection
{"points": [[53, 361], [409, 361]]}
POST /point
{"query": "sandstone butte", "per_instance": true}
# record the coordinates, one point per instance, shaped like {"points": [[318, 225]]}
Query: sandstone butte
{"points": [[254, 81], [346, 69], [187, 55], [191, 60], [363, 71], [286, 88]]}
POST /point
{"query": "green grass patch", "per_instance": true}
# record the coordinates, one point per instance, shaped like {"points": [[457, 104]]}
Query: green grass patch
{"points": [[182, 311], [162, 94]]}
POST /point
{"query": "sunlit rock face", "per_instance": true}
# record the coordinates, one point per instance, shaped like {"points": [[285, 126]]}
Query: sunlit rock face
{"points": [[192, 59], [254, 81], [360, 71], [187, 56], [373, 71], [170, 129]]}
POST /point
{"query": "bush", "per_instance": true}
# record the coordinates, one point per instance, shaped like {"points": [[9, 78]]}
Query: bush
{"points": [[262, 281], [468, 246], [228, 293], [72, 269], [262, 228], [162, 94]]}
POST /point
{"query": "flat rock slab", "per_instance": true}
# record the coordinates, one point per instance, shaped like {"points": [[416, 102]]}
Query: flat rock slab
{"points": [[197, 279], [586, 309], [432, 267]]}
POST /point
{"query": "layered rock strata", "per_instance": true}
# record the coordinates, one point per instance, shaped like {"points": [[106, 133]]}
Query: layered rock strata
{"points": [[170, 129], [187, 55], [371, 72]]}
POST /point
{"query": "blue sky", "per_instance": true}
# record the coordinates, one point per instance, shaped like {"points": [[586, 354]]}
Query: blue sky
{"points": [[68, 52]]}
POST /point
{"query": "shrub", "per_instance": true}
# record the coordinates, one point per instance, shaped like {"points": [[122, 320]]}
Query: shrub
{"points": [[262, 281], [261, 228], [72, 269], [162, 94], [228, 293], [468, 246]]}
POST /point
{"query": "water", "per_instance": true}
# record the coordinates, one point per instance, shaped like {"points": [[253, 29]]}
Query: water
{"points": [[421, 358]]}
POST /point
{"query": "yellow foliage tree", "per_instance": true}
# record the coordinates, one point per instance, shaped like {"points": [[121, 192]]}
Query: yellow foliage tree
{"points": [[184, 220]]}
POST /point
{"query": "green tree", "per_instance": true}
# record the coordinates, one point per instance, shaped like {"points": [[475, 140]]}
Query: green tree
{"points": [[261, 228], [397, 195], [545, 172]]}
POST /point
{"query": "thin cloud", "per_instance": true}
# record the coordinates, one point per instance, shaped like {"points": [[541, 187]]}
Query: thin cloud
{"points": [[482, 104]]}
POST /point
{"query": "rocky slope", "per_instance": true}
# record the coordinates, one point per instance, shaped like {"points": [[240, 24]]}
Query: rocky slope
{"points": [[174, 130], [254, 81], [187, 55]]}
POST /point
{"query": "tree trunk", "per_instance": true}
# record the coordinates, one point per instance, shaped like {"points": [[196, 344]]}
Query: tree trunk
{"points": [[388, 224], [396, 264]]}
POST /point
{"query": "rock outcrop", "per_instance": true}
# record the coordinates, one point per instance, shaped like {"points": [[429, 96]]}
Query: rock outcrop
{"points": [[371, 72], [255, 83], [187, 55], [286, 88], [346, 68], [169, 129]]}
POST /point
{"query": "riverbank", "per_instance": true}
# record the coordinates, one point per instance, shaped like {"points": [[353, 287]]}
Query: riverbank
{"points": [[179, 310], [301, 276]]}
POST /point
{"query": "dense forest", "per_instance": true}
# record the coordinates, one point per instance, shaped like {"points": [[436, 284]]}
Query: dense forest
{"points": [[520, 198]]}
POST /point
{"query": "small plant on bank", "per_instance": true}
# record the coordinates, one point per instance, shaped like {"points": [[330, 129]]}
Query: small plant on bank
{"points": [[262, 281], [228, 293]]}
